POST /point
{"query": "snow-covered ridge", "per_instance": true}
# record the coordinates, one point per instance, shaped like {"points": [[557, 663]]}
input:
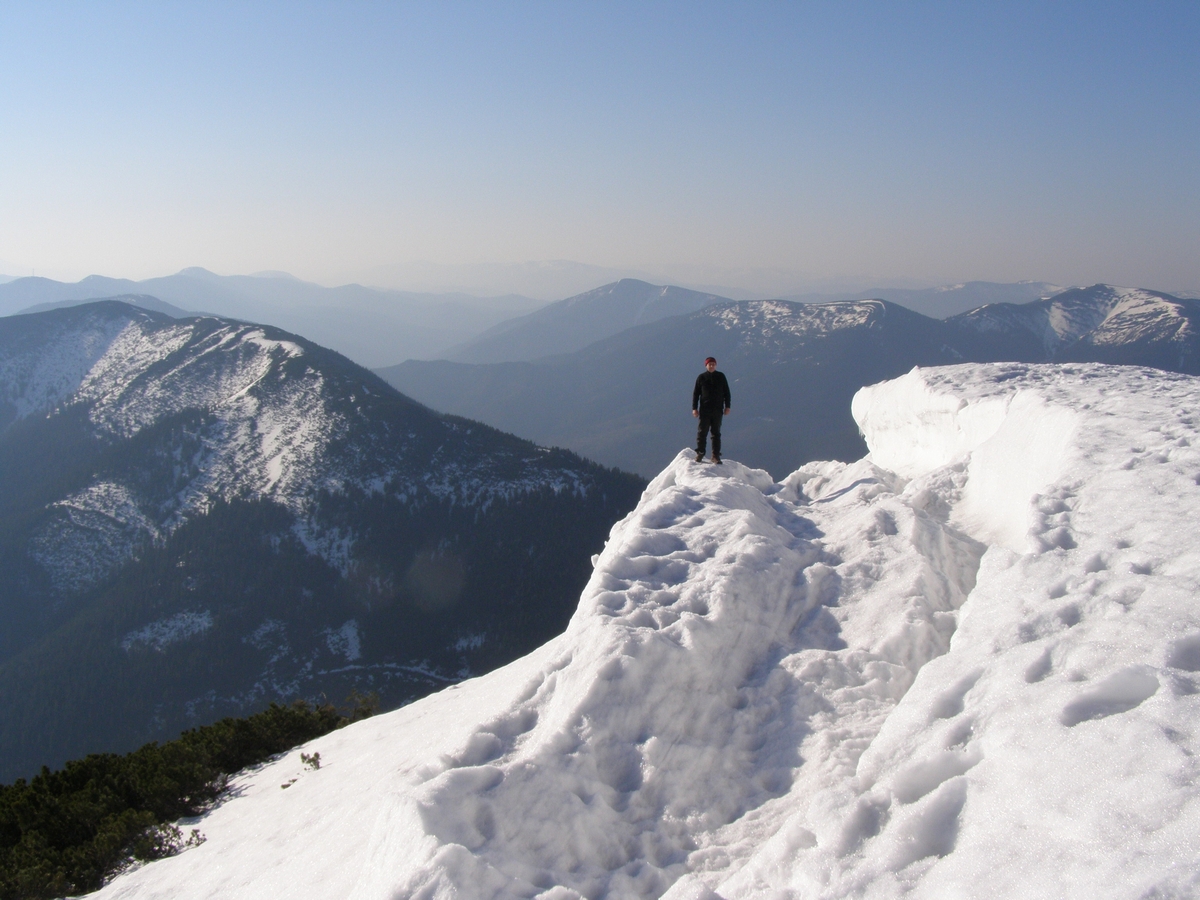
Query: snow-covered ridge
{"points": [[1137, 312], [859, 682], [37, 382], [768, 317], [1102, 315], [274, 423], [1016, 442]]}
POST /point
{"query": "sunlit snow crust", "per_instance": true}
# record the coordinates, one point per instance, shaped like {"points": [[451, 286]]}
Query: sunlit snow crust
{"points": [[966, 666]]}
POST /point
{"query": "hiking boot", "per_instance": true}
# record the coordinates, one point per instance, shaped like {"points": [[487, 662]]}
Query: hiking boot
{"points": [[699, 456], [717, 458]]}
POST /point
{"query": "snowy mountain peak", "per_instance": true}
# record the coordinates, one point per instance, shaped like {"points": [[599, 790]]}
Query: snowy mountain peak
{"points": [[276, 415], [1095, 317], [768, 320], [968, 659]]}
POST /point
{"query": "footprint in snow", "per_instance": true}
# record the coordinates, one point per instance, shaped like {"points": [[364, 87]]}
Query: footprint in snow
{"points": [[1119, 693], [950, 703], [1185, 653]]}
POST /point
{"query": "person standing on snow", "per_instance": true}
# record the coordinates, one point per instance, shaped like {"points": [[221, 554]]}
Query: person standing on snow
{"points": [[710, 401]]}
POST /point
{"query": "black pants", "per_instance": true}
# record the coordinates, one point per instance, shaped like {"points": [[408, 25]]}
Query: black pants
{"points": [[709, 418]]}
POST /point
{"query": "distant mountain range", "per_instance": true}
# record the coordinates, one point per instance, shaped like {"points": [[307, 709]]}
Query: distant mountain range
{"points": [[948, 300], [1125, 326], [378, 327], [793, 367], [547, 280], [373, 327], [574, 323], [199, 516], [626, 400], [141, 301]]}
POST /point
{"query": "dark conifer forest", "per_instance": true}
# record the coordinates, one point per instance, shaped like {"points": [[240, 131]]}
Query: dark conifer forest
{"points": [[67, 831]]}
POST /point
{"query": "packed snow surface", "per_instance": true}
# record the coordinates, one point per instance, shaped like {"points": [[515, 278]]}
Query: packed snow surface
{"points": [[965, 666]]}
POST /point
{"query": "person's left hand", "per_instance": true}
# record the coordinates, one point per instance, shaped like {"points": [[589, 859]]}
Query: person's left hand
{"points": [[728, 410]]}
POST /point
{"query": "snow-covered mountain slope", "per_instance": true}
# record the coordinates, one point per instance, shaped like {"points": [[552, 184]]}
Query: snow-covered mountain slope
{"points": [[1101, 323], [200, 516], [948, 299], [1054, 321], [283, 429], [965, 666]]}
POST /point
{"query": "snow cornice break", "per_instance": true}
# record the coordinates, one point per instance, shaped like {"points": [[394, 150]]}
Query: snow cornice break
{"points": [[966, 665]]}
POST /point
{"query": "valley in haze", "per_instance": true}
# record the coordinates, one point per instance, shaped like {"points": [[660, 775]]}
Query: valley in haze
{"points": [[372, 326]]}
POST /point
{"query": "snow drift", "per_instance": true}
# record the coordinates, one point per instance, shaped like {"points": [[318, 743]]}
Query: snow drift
{"points": [[967, 665]]}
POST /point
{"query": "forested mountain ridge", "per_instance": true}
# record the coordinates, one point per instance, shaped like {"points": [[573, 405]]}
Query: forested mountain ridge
{"points": [[199, 516]]}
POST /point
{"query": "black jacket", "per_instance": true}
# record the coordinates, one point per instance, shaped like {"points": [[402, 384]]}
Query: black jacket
{"points": [[711, 391]]}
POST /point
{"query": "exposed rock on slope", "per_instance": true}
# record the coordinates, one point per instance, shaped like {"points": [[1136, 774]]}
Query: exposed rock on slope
{"points": [[967, 660]]}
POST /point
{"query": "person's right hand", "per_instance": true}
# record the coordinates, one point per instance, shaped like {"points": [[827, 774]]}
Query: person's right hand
{"points": [[695, 414]]}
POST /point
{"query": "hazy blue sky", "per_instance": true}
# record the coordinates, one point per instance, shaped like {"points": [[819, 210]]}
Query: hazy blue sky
{"points": [[923, 141]]}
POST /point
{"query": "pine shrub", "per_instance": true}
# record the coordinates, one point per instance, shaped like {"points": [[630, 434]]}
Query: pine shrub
{"points": [[68, 832]]}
